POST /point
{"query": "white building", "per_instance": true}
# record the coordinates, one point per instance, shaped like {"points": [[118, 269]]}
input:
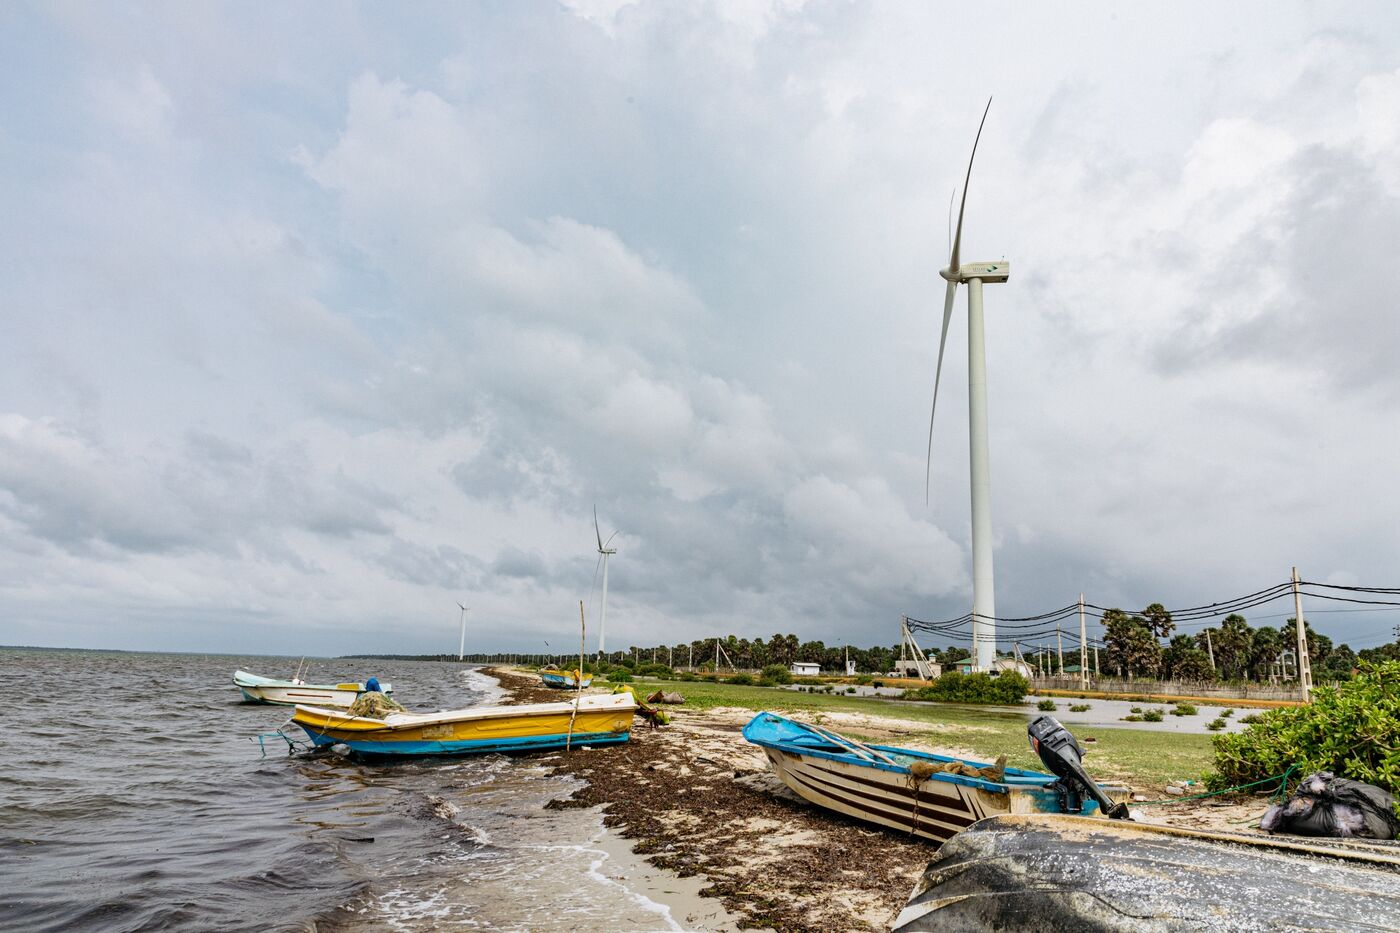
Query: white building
{"points": [[803, 669]]}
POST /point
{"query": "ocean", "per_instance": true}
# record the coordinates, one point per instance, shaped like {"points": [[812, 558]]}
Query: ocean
{"points": [[134, 796]]}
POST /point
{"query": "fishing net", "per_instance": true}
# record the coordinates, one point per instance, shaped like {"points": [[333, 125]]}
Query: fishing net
{"points": [[374, 705]]}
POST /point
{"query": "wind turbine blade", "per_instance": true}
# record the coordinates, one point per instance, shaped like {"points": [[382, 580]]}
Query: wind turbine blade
{"points": [[610, 537], [595, 528], [957, 239], [938, 371]]}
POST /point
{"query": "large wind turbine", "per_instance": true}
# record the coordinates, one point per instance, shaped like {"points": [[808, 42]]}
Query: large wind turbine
{"points": [[604, 552], [974, 274], [462, 642]]}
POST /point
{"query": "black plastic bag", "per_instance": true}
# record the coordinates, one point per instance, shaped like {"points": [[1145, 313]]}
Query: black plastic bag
{"points": [[1326, 805]]}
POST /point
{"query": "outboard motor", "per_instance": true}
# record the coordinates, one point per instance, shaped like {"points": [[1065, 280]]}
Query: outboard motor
{"points": [[1062, 755]]}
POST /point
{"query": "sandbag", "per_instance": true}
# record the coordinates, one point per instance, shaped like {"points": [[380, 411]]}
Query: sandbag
{"points": [[1326, 805]]}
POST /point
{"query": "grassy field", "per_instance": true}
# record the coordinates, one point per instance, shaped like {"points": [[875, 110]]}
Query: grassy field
{"points": [[1145, 759]]}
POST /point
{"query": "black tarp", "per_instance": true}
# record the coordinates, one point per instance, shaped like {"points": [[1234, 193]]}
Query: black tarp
{"points": [[1045, 872]]}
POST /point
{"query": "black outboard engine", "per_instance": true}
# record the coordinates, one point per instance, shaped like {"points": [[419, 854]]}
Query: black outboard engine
{"points": [[1062, 755]]}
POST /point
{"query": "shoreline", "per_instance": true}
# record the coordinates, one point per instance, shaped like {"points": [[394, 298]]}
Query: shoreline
{"points": [[695, 801]]}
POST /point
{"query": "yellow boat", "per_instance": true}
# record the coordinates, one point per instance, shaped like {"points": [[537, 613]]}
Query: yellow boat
{"points": [[586, 720]]}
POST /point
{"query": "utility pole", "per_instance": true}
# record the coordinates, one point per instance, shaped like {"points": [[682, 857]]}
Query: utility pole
{"points": [[1210, 652], [690, 665], [670, 661], [1060, 649], [1083, 649], [1097, 672], [1304, 664]]}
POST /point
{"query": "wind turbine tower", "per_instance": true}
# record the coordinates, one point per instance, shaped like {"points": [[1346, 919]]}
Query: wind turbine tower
{"points": [[462, 642], [974, 275], [604, 552]]}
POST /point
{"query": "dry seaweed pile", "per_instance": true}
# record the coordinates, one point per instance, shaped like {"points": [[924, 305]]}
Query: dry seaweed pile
{"points": [[698, 800]]}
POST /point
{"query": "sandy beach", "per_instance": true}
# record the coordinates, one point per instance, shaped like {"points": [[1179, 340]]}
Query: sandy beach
{"points": [[705, 811]]}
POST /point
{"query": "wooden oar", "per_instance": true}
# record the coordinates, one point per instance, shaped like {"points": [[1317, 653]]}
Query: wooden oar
{"points": [[858, 747]]}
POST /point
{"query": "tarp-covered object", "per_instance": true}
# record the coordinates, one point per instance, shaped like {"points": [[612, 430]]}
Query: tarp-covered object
{"points": [[1046, 872], [1326, 805]]}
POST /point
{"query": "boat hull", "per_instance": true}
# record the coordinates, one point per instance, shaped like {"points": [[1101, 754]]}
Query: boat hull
{"points": [[255, 689], [1025, 874], [598, 721], [935, 806]]}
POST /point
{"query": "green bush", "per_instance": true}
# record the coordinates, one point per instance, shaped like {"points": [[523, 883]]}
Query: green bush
{"points": [[1046, 706], [620, 677], [1132, 717], [956, 687], [1351, 729], [740, 680], [1136, 709], [1216, 724], [865, 679], [1227, 714], [660, 671], [1251, 718], [1184, 709], [776, 674], [1152, 715], [808, 681], [1079, 707], [850, 689]]}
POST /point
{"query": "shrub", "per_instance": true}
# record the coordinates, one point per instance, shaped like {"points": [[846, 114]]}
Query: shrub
{"points": [[864, 679], [955, 687], [1151, 715], [850, 689], [1184, 709], [740, 680], [877, 683], [809, 681], [1251, 718], [620, 677], [1216, 724], [776, 674], [1046, 706], [1351, 729], [1227, 714], [1132, 717], [1136, 709], [688, 676], [655, 670], [1079, 707]]}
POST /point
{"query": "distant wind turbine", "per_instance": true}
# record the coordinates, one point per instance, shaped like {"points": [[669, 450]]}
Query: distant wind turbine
{"points": [[462, 642], [604, 552], [984, 635]]}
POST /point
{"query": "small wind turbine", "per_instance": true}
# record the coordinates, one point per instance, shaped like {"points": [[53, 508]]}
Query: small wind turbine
{"points": [[604, 552], [462, 642], [984, 634]]}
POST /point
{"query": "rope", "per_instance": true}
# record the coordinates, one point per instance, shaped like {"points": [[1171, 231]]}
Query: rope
{"points": [[1282, 790], [292, 744]]}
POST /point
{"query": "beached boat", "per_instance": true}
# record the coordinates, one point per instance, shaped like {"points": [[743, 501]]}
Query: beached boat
{"points": [[1030, 873], [257, 689], [933, 796], [585, 720], [564, 680]]}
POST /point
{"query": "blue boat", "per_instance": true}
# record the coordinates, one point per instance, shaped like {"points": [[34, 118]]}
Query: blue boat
{"points": [[932, 796], [563, 680]]}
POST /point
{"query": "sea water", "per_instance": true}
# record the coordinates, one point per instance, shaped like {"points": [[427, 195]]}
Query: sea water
{"points": [[134, 795]]}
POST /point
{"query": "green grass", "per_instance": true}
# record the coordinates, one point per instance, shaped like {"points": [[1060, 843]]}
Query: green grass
{"points": [[1138, 756]]}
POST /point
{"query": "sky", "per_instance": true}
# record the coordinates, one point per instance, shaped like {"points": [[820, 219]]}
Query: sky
{"points": [[319, 319]]}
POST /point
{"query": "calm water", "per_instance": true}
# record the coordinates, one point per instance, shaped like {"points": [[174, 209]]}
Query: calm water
{"points": [[133, 797]]}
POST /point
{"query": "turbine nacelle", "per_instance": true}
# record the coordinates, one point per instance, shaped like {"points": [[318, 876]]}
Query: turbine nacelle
{"points": [[988, 272]]}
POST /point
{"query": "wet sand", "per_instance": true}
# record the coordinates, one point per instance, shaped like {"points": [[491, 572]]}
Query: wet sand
{"points": [[698, 802]]}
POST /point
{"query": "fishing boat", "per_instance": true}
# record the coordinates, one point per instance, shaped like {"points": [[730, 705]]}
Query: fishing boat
{"points": [[584, 720], [257, 689], [932, 796], [564, 680], [1027, 873]]}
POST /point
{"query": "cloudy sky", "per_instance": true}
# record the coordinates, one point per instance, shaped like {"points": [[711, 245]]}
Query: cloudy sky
{"points": [[318, 319]]}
